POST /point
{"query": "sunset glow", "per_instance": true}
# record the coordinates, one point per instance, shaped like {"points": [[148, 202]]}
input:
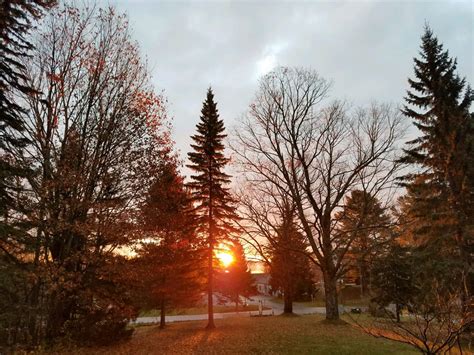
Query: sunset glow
{"points": [[248, 177], [225, 258]]}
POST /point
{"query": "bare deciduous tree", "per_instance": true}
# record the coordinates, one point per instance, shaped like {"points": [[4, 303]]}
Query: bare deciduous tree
{"points": [[318, 154], [269, 227], [435, 326]]}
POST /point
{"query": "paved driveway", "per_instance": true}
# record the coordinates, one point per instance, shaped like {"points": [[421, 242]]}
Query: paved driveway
{"points": [[275, 309], [184, 318]]}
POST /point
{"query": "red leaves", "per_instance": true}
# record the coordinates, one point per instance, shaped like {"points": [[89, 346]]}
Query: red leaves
{"points": [[54, 78], [150, 106]]}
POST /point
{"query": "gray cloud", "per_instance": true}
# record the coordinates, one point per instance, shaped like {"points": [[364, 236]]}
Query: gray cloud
{"points": [[366, 47]]}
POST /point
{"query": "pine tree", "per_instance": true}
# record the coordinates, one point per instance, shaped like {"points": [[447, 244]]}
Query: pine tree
{"points": [[393, 278], [16, 21], [364, 223], [167, 261], [290, 269], [167, 209], [443, 187], [17, 18], [236, 280], [214, 204]]}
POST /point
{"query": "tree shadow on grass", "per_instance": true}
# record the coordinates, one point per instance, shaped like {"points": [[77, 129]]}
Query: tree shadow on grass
{"points": [[337, 322], [289, 315]]}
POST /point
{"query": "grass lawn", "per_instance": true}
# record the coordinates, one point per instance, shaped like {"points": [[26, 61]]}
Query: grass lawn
{"points": [[319, 302], [348, 296], [265, 335], [351, 302], [200, 310]]}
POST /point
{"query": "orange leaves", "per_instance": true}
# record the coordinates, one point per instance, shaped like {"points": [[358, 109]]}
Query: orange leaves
{"points": [[179, 244], [54, 78], [100, 65], [55, 121], [150, 106], [93, 63]]}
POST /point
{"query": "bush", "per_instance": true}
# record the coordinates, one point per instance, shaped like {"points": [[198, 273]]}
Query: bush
{"points": [[101, 327], [375, 310]]}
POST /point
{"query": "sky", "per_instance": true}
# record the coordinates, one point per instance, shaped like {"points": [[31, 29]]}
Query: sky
{"points": [[365, 47]]}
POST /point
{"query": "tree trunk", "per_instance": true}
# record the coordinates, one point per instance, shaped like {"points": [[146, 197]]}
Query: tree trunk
{"points": [[467, 278], [210, 305], [364, 278], [35, 326], [397, 311], [330, 289], [288, 303], [59, 312], [210, 273], [162, 313]]}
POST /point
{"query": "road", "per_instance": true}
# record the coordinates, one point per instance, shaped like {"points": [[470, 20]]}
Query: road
{"points": [[191, 317], [275, 309], [298, 308]]}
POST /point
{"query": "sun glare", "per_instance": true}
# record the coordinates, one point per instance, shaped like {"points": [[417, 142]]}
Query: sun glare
{"points": [[266, 64], [225, 258]]}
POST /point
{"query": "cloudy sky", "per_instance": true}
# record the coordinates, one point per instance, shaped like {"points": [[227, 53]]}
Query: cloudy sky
{"points": [[365, 47]]}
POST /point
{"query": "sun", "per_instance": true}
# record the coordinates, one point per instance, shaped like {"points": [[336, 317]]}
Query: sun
{"points": [[225, 258], [266, 64]]}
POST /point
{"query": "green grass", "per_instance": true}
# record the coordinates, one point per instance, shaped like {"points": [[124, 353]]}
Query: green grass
{"points": [[199, 310], [321, 303], [316, 303], [348, 296], [356, 302], [266, 335]]}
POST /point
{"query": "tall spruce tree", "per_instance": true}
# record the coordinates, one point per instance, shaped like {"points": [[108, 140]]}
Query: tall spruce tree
{"points": [[17, 18], [16, 21], [213, 202], [442, 188]]}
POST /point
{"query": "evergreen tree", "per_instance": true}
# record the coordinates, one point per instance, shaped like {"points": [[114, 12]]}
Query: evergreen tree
{"points": [[290, 269], [393, 278], [364, 223], [168, 259], [236, 280], [16, 21], [408, 276], [17, 18], [214, 204], [442, 189]]}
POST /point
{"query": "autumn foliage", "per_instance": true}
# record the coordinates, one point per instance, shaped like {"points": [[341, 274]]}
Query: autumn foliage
{"points": [[98, 224], [98, 135]]}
